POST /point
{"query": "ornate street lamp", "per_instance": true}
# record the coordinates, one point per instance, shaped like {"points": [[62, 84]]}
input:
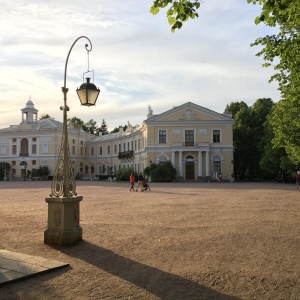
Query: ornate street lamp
{"points": [[63, 204]]}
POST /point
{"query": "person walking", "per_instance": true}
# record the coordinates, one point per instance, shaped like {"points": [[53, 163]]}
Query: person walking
{"points": [[132, 180], [298, 178], [140, 181]]}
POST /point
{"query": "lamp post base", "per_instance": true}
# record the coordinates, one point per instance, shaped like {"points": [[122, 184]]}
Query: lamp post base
{"points": [[63, 221]]}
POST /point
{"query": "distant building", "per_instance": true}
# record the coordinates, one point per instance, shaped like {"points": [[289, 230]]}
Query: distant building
{"points": [[198, 142]]}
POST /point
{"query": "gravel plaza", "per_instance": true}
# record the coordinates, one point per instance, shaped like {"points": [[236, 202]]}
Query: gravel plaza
{"points": [[184, 240]]}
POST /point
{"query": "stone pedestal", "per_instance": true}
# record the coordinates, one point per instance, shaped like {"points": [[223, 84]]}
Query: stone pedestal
{"points": [[63, 221]]}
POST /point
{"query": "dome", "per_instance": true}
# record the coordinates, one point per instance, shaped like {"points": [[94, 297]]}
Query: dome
{"points": [[29, 104]]}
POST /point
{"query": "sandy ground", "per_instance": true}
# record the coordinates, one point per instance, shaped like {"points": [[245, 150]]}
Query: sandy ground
{"points": [[178, 241]]}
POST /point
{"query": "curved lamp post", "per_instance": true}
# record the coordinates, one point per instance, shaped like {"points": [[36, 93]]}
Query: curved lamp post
{"points": [[63, 183], [63, 204]]}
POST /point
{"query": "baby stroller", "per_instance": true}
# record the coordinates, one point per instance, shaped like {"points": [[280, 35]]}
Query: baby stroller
{"points": [[145, 186]]}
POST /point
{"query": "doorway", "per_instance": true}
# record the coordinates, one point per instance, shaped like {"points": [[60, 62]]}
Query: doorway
{"points": [[189, 170]]}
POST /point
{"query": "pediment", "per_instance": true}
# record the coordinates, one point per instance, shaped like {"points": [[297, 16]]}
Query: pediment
{"points": [[189, 112]]}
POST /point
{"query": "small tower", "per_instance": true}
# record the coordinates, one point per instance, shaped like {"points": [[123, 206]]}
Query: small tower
{"points": [[29, 113]]}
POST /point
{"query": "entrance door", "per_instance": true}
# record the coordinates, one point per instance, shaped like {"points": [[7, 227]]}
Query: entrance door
{"points": [[190, 170]]}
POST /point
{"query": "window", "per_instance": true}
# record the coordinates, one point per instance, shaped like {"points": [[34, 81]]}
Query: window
{"points": [[14, 140], [138, 144], [108, 149], [81, 142], [189, 137], [216, 136], [124, 147], [115, 149], [135, 145], [34, 139], [13, 171], [119, 147], [73, 150], [45, 148], [34, 162], [73, 141], [128, 146], [33, 149], [217, 167], [131, 145], [3, 149], [24, 147], [92, 151], [81, 151], [162, 136], [14, 149], [13, 162], [100, 150]]}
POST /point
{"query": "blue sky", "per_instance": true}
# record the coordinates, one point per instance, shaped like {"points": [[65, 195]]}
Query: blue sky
{"points": [[136, 59]]}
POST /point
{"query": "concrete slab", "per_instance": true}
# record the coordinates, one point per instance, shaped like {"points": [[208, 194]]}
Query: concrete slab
{"points": [[14, 266]]}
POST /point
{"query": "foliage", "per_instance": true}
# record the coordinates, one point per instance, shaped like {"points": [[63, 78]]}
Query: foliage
{"points": [[41, 172], [161, 172], [283, 50], [44, 116], [123, 174], [4, 167], [103, 128], [248, 134], [117, 129], [179, 11]]}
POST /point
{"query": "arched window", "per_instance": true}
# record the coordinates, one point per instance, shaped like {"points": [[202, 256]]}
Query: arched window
{"points": [[24, 147]]}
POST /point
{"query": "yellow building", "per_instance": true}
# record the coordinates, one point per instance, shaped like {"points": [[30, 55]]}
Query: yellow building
{"points": [[197, 141]]}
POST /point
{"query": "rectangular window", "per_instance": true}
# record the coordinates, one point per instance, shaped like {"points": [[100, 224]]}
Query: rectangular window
{"points": [[3, 149], [138, 144], [13, 171], [216, 136], [33, 149], [92, 151], [45, 148], [115, 149], [131, 145], [108, 149], [162, 136], [119, 147], [14, 140], [135, 145], [81, 151], [34, 139], [73, 150], [124, 147], [34, 162], [81, 142], [13, 162], [100, 150], [128, 146], [73, 141], [189, 137], [14, 149]]}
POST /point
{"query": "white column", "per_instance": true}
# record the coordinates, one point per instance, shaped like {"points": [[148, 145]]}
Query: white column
{"points": [[180, 163], [199, 163], [18, 146], [30, 146], [207, 163], [173, 158]]}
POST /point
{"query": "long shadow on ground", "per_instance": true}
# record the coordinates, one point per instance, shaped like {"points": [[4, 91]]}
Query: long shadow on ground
{"points": [[164, 285]]}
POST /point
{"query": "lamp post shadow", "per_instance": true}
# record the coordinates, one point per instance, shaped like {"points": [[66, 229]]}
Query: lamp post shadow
{"points": [[163, 284]]}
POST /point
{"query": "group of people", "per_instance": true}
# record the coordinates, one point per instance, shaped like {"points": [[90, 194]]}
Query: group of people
{"points": [[142, 183]]}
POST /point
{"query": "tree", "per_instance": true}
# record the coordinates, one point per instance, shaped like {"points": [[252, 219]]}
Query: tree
{"points": [[79, 122], [4, 169], [179, 11], [45, 116], [248, 133], [103, 128], [91, 127], [283, 50], [161, 172]]}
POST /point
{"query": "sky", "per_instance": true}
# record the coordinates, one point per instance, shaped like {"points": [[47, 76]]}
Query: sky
{"points": [[136, 59]]}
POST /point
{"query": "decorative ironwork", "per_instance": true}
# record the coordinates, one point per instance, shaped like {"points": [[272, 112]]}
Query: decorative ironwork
{"points": [[63, 183], [126, 155]]}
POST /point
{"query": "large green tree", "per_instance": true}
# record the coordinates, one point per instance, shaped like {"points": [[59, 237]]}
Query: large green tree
{"points": [[282, 51]]}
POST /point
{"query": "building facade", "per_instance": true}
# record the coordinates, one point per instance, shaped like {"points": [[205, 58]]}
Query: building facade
{"points": [[198, 142]]}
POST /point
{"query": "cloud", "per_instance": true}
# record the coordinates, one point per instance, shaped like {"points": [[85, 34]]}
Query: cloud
{"points": [[136, 59]]}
